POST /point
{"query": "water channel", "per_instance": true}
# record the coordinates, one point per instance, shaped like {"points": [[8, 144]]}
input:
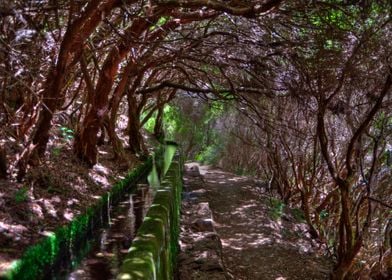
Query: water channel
{"points": [[101, 254]]}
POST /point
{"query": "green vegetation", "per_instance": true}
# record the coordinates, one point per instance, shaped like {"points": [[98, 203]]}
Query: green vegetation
{"points": [[21, 195], [298, 214], [276, 208], [196, 130], [66, 133], [296, 93], [161, 21], [56, 151]]}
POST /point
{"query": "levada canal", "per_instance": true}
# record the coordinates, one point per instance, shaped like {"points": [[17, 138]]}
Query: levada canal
{"points": [[94, 245], [109, 245]]}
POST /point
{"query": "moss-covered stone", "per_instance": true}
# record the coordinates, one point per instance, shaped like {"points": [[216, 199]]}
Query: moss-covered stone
{"points": [[154, 250]]}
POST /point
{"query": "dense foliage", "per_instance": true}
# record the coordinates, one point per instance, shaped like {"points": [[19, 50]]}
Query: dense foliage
{"points": [[303, 87]]}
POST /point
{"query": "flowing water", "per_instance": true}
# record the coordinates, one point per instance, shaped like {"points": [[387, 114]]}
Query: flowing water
{"points": [[104, 250], [100, 254]]}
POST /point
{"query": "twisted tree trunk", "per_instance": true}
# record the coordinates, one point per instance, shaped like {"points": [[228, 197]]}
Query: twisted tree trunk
{"points": [[136, 143], [85, 145], [53, 94]]}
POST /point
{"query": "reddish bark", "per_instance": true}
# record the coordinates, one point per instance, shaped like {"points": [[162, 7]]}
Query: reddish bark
{"points": [[136, 144], [350, 242], [158, 128], [114, 105], [3, 163], [86, 138], [53, 94]]}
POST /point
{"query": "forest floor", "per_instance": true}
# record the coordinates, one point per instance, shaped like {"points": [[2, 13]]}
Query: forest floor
{"points": [[260, 238]]}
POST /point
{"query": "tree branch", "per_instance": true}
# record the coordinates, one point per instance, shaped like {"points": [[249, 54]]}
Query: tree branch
{"points": [[249, 11], [366, 122]]}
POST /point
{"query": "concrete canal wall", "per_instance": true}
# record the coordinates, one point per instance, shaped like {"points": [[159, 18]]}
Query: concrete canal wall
{"points": [[153, 253]]}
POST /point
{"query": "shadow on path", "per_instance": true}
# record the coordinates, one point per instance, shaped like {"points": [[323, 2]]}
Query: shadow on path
{"points": [[255, 245]]}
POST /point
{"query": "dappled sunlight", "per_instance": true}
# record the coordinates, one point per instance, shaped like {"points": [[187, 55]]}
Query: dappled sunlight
{"points": [[5, 264], [257, 242], [36, 209], [237, 179], [12, 229], [80, 185], [242, 241], [292, 94], [274, 225], [246, 207], [68, 214], [99, 176], [260, 241], [72, 202], [49, 207], [52, 196], [230, 244]]}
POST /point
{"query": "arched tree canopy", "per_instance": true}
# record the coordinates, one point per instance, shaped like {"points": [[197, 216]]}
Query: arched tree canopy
{"points": [[303, 86]]}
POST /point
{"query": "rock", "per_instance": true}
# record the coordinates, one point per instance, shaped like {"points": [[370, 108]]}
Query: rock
{"points": [[192, 170], [203, 209], [212, 265], [201, 260], [202, 225]]}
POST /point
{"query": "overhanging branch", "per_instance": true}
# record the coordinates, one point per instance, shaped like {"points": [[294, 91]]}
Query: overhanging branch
{"points": [[245, 10], [233, 91]]}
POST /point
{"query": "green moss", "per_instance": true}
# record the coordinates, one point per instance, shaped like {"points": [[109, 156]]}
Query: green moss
{"points": [[140, 266], [170, 150], [38, 259], [153, 177], [145, 252], [154, 251]]}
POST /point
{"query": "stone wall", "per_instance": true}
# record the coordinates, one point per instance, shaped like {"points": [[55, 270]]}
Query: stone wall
{"points": [[154, 251]]}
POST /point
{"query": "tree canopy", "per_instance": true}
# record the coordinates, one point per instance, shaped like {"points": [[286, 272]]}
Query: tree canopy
{"points": [[304, 87]]}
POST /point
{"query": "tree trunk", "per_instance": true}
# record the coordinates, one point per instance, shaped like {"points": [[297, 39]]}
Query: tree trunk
{"points": [[53, 95], [3, 163], [158, 128], [85, 144], [136, 144], [344, 265], [118, 149], [348, 247], [51, 99], [114, 106], [86, 138], [306, 209], [70, 48]]}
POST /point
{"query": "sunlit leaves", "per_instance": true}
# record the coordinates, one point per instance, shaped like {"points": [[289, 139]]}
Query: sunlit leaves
{"points": [[66, 133], [161, 21]]}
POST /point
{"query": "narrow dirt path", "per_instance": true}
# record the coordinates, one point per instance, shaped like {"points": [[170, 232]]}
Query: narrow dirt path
{"points": [[258, 243]]}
